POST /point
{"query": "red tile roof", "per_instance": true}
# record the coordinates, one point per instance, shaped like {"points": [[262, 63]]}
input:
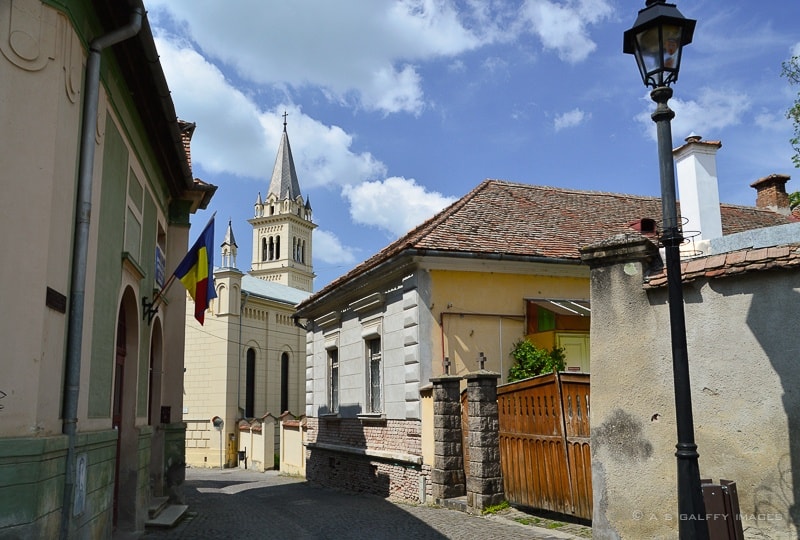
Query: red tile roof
{"points": [[525, 221], [732, 263]]}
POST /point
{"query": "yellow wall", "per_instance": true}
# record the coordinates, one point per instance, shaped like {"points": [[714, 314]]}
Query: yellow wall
{"points": [[485, 312]]}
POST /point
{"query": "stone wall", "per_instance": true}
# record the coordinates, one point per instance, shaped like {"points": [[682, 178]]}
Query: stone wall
{"points": [[742, 348]]}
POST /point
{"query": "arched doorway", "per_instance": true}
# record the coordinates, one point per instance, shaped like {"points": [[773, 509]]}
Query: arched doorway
{"points": [[116, 408], [155, 416], [123, 414]]}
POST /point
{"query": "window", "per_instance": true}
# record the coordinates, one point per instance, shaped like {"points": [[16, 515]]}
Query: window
{"points": [[250, 384], [133, 217], [333, 369], [284, 382], [374, 375]]}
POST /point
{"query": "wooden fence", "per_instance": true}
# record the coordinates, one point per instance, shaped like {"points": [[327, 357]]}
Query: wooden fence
{"points": [[544, 443]]}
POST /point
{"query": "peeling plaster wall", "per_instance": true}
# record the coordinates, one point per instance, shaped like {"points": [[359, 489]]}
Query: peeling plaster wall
{"points": [[745, 373]]}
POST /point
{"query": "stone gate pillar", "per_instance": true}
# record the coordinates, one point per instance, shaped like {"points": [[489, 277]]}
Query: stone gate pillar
{"points": [[447, 475], [485, 480]]}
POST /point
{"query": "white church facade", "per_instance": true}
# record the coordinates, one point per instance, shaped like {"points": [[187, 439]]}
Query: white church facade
{"points": [[248, 360]]}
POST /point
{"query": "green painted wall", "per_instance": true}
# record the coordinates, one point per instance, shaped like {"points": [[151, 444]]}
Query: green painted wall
{"points": [[148, 263], [32, 485], [109, 270]]}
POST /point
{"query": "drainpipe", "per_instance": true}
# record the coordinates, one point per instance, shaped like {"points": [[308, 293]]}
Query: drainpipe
{"points": [[80, 250]]}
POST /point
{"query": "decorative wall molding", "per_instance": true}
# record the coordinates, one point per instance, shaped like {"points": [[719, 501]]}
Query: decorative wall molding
{"points": [[28, 32]]}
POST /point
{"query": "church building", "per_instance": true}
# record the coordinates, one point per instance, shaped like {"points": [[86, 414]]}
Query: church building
{"points": [[248, 360]]}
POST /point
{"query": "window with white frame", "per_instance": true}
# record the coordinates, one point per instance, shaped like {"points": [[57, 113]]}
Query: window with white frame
{"points": [[333, 381], [373, 350]]}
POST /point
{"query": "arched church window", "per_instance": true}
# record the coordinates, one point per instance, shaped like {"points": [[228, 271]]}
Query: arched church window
{"points": [[284, 382], [263, 249], [271, 248], [277, 247], [250, 384]]}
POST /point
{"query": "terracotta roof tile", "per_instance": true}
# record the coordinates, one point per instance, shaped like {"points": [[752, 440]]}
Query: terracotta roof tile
{"points": [[733, 263], [499, 217]]}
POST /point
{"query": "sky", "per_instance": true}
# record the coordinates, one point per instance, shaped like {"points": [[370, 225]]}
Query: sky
{"points": [[395, 109]]}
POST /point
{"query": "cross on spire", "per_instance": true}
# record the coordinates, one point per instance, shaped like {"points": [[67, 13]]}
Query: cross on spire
{"points": [[285, 114]]}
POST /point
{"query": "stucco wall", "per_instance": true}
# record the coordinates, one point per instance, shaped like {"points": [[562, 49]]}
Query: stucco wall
{"points": [[38, 178], [213, 367], [743, 351], [468, 322]]}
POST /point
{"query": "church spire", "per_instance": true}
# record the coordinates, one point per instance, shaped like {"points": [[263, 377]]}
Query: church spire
{"points": [[229, 248], [284, 184], [282, 227]]}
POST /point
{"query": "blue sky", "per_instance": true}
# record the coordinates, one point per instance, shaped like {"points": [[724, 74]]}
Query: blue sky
{"points": [[397, 108]]}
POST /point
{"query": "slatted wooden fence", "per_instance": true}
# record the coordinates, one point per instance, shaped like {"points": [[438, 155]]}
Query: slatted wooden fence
{"points": [[544, 443]]}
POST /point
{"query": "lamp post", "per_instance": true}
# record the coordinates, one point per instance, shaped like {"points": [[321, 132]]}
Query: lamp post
{"points": [[657, 39]]}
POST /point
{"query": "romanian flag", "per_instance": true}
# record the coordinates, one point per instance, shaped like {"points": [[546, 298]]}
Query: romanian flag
{"points": [[196, 271]]}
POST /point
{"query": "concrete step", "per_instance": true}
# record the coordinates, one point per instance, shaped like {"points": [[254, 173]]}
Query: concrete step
{"points": [[157, 504], [456, 503], [168, 517]]}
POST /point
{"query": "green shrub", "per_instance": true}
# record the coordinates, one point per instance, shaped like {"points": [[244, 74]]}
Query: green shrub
{"points": [[530, 360]]}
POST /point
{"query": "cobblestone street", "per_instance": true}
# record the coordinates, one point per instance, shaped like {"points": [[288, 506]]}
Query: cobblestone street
{"points": [[237, 503]]}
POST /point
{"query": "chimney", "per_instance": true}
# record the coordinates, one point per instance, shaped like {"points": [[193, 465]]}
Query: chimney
{"points": [[771, 193], [696, 169], [187, 130]]}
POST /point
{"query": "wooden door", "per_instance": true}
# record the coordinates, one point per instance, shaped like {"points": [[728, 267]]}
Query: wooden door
{"points": [[116, 414]]}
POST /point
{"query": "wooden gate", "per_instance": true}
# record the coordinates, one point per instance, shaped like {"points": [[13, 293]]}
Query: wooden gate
{"points": [[544, 443]]}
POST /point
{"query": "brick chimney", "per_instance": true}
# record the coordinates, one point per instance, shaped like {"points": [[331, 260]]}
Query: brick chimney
{"points": [[696, 169], [771, 193], [187, 130]]}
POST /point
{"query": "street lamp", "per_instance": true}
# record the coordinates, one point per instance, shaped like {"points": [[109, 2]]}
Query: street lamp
{"points": [[656, 40]]}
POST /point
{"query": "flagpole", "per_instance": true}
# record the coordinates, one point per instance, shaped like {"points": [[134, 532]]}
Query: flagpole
{"points": [[151, 309]]}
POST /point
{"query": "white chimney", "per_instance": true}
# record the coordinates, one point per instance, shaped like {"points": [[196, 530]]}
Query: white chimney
{"points": [[698, 191]]}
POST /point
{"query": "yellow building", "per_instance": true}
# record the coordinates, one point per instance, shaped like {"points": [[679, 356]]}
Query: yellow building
{"points": [[97, 194], [248, 359], [452, 296]]}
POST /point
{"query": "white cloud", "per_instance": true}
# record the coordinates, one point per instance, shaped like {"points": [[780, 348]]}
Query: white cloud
{"points": [[329, 249], [569, 119], [713, 111], [796, 49], [392, 91], [495, 66], [395, 205], [771, 121], [348, 49], [367, 54], [457, 66], [234, 136], [562, 26]]}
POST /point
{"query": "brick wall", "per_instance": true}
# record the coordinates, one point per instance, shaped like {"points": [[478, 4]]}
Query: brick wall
{"points": [[347, 467]]}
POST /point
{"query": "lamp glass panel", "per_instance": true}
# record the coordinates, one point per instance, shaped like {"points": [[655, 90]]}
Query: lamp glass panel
{"points": [[658, 51], [671, 34], [648, 45]]}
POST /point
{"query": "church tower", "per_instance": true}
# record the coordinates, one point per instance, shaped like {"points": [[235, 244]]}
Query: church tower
{"points": [[282, 227]]}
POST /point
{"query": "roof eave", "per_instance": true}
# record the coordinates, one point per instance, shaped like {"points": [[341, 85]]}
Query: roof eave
{"points": [[405, 260], [141, 68]]}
